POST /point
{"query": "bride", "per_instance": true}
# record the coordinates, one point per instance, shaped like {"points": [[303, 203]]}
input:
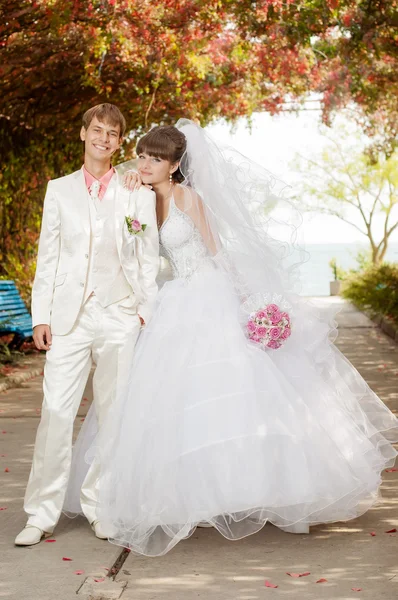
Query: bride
{"points": [[238, 409]]}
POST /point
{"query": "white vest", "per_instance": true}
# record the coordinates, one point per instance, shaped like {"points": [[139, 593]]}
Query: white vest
{"points": [[105, 276]]}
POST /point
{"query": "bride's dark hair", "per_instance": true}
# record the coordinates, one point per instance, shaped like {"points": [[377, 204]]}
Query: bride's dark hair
{"points": [[165, 142]]}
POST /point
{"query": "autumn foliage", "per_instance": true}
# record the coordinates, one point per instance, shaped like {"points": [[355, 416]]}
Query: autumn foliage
{"points": [[159, 60]]}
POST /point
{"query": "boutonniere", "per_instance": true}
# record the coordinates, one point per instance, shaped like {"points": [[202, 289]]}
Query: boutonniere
{"points": [[134, 227]]}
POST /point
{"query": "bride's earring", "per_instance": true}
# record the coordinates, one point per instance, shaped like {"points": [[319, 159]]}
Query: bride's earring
{"points": [[171, 178]]}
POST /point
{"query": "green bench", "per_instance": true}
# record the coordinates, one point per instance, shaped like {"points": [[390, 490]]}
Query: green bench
{"points": [[14, 316]]}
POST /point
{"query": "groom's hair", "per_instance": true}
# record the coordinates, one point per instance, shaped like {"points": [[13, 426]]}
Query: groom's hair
{"points": [[106, 113]]}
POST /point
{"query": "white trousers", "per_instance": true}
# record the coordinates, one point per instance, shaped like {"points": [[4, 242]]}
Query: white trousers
{"points": [[107, 337]]}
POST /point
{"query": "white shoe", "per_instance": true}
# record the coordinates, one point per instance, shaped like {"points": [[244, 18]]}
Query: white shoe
{"points": [[297, 528], [30, 535], [98, 530], [204, 524]]}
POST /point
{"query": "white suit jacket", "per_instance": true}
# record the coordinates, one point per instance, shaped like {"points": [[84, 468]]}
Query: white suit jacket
{"points": [[64, 246]]}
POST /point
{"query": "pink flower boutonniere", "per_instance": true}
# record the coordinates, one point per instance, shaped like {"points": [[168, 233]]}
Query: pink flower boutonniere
{"points": [[134, 227]]}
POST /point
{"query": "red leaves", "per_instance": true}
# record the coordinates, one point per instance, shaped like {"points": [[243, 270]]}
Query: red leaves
{"points": [[268, 584]]}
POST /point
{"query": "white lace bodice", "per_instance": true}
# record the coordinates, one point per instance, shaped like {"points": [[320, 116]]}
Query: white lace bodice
{"points": [[182, 244]]}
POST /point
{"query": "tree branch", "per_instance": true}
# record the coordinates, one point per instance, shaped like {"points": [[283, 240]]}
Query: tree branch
{"points": [[334, 213], [332, 177]]}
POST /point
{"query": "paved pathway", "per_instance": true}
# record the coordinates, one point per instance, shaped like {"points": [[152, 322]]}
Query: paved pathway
{"points": [[205, 566]]}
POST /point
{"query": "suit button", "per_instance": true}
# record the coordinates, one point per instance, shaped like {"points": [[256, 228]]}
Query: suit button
{"points": [[86, 255], [82, 285]]}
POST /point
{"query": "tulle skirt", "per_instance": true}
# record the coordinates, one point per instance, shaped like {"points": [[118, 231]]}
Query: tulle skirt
{"points": [[211, 428]]}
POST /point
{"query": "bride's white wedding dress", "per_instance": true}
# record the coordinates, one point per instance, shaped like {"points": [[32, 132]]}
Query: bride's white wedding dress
{"points": [[212, 428]]}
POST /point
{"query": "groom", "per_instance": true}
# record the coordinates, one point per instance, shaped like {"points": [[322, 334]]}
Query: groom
{"points": [[93, 290]]}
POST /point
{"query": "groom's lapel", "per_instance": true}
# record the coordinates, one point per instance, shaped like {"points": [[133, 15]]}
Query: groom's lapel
{"points": [[80, 198], [122, 200]]}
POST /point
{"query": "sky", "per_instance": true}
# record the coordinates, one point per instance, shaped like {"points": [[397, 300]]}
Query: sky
{"points": [[274, 141]]}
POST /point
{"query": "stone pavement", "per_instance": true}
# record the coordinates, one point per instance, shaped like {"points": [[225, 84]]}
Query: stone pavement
{"points": [[205, 566]]}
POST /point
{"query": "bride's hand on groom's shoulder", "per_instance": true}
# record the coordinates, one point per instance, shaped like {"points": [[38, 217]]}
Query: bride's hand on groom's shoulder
{"points": [[132, 181]]}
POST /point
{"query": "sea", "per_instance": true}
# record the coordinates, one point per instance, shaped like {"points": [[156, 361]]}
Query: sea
{"points": [[315, 274]]}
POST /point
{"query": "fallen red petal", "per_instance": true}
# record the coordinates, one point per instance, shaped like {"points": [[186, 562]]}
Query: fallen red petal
{"points": [[269, 584], [101, 579], [322, 580], [3, 508], [79, 572], [3, 432], [49, 541], [293, 574], [391, 470], [305, 574], [372, 533], [66, 558], [6, 470], [392, 530], [356, 589]]}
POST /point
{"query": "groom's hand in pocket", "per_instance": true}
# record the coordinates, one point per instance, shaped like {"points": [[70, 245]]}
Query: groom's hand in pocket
{"points": [[42, 337]]}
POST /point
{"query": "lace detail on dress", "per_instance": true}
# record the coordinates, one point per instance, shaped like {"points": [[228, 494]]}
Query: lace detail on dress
{"points": [[182, 244]]}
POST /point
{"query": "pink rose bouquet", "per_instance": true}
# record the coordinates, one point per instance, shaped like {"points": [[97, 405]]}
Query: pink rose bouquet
{"points": [[269, 327]]}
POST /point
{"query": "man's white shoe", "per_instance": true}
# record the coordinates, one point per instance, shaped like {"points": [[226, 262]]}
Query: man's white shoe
{"points": [[98, 530], [30, 535]]}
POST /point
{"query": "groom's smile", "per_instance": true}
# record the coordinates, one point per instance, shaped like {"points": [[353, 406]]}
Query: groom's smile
{"points": [[100, 147]]}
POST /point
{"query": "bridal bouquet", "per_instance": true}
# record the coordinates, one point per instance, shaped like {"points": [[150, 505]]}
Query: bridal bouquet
{"points": [[267, 322], [269, 326]]}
